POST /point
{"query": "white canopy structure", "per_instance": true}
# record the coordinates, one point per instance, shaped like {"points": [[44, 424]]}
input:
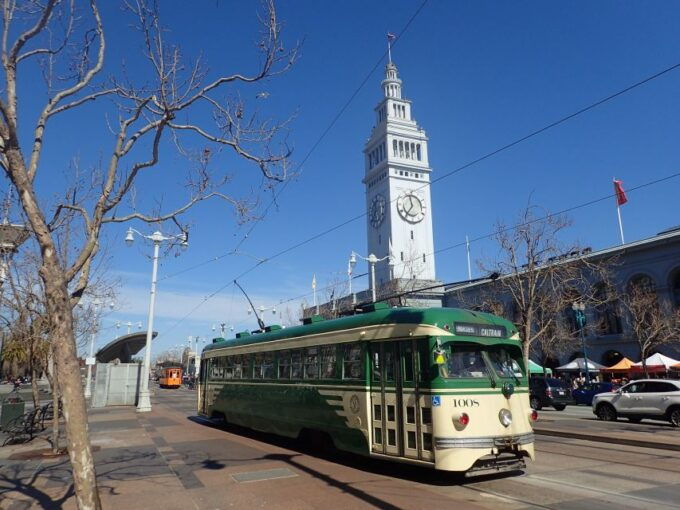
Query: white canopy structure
{"points": [[658, 360], [579, 365]]}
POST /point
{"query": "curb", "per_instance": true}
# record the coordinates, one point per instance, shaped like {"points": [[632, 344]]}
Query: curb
{"points": [[608, 439]]}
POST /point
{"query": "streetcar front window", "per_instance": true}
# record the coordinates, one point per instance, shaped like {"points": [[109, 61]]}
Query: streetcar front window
{"points": [[504, 363], [463, 363]]}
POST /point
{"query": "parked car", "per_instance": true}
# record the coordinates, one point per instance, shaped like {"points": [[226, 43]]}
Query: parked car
{"points": [[584, 394], [547, 391], [645, 398]]}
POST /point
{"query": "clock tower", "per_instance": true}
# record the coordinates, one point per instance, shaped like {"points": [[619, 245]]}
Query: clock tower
{"points": [[397, 181]]}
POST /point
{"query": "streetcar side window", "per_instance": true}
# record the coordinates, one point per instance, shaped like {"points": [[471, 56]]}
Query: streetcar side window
{"points": [[390, 361], [258, 360], [296, 364], [268, 365], [423, 361], [229, 369], [352, 363], [284, 364], [328, 362], [312, 363], [238, 367], [407, 355]]}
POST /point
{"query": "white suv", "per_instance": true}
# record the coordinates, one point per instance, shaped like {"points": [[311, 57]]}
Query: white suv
{"points": [[644, 398]]}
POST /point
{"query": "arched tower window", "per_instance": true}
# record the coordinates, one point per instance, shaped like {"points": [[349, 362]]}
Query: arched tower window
{"points": [[418, 151], [408, 151], [394, 148], [401, 149]]}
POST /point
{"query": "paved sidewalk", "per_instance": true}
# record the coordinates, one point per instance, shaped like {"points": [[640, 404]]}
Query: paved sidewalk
{"points": [[167, 459]]}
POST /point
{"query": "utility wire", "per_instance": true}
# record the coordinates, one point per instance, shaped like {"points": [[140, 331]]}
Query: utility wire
{"points": [[523, 224], [459, 169]]}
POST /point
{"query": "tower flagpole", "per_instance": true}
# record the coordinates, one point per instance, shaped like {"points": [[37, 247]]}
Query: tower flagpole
{"points": [[390, 39]]}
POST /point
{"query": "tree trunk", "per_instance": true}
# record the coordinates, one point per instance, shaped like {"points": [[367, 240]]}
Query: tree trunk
{"points": [[71, 388], [52, 378], [34, 387]]}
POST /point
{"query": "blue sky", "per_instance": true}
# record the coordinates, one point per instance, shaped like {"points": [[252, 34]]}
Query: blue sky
{"points": [[480, 74]]}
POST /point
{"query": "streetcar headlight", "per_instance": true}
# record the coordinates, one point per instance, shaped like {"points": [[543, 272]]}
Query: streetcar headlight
{"points": [[505, 416]]}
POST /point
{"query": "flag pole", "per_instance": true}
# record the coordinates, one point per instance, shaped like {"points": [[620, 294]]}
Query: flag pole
{"points": [[467, 247], [389, 51], [618, 210]]}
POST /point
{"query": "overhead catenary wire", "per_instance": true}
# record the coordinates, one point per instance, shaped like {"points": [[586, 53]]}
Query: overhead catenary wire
{"points": [[450, 173]]}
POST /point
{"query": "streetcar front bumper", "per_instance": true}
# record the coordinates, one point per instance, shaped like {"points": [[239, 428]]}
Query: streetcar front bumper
{"points": [[481, 455]]}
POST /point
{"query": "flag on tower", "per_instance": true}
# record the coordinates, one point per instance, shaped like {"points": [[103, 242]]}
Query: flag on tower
{"points": [[391, 37], [621, 197]]}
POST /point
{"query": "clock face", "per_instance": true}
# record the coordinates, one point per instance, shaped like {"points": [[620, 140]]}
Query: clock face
{"points": [[411, 207], [377, 211]]}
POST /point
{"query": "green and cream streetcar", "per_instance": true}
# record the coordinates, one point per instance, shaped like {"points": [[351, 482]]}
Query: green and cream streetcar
{"points": [[441, 387]]}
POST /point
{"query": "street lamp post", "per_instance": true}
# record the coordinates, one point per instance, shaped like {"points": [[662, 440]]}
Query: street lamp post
{"points": [[350, 270], [129, 326], [88, 382], [144, 404], [372, 260], [223, 327], [579, 313]]}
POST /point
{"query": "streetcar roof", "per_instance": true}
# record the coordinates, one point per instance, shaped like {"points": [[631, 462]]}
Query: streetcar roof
{"points": [[437, 318]]}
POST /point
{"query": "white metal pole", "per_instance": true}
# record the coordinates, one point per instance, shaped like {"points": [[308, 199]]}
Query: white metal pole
{"points": [[467, 246], [372, 262], [618, 212], [144, 404], [88, 382]]}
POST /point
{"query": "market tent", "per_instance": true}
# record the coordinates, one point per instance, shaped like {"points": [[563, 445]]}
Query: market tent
{"points": [[656, 363], [579, 365], [624, 365], [535, 368]]}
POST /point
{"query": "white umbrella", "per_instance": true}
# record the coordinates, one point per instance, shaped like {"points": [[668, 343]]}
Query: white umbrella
{"points": [[580, 364]]}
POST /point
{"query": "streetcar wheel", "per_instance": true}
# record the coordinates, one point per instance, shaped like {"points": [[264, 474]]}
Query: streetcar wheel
{"points": [[606, 413], [535, 403], [674, 417], [559, 407]]}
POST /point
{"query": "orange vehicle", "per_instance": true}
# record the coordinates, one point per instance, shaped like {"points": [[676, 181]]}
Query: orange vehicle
{"points": [[171, 377]]}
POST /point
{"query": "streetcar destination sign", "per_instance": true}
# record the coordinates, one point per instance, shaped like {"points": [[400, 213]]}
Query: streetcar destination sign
{"points": [[467, 329]]}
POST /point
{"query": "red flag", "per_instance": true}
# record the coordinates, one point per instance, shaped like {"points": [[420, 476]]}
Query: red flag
{"points": [[621, 197]]}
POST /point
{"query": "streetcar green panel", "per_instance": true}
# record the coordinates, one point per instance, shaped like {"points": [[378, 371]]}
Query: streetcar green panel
{"points": [[286, 410]]}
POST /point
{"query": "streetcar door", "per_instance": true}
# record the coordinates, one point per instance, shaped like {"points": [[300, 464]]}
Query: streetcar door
{"points": [[386, 399]]}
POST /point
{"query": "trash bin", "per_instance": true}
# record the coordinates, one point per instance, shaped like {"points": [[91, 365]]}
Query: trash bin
{"points": [[12, 406]]}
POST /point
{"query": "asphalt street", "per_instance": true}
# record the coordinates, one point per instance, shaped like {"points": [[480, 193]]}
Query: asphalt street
{"points": [[567, 474]]}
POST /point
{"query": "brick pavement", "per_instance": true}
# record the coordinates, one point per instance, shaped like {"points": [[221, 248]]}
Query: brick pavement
{"points": [[168, 459]]}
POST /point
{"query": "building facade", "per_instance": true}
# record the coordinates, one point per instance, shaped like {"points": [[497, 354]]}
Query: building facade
{"points": [[654, 261]]}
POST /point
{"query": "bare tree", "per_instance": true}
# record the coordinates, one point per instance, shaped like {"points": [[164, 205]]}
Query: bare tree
{"points": [[653, 324], [67, 43], [542, 277]]}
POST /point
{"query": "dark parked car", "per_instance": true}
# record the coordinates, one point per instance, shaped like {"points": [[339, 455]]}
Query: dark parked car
{"points": [[585, 394], [547, 391]]}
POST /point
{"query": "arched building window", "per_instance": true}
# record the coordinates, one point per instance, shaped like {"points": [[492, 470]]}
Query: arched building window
{"points": [[401, 149], [418, 151], [394, 148], [608, 320], [611, 358], [675, 288]]}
